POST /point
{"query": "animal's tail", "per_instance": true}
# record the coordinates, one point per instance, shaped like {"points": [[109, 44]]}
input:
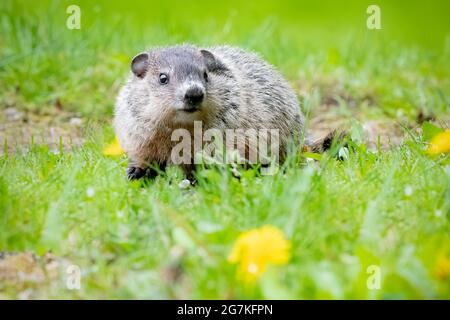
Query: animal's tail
{"points": [[324, 144]]}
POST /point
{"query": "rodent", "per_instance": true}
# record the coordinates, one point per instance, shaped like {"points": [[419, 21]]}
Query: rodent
{"points": [[225, 87]]}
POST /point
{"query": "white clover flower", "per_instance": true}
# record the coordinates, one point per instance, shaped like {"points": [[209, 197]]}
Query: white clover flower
{"points": [[408, 191], [184, 184], [90, 192]]}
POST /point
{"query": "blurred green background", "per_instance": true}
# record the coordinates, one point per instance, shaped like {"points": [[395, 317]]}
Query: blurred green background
{"points": [[41, 60]]}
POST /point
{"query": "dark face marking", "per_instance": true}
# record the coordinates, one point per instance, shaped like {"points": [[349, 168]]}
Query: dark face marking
{"points": [[181, 64], [233, 105]]}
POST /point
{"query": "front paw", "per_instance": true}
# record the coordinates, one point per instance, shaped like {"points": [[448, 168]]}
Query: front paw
{"points": [[134, 173]]}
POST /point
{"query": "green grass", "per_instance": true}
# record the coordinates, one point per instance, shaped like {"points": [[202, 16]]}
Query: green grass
{"points": [[340, 216], [388, 208]]}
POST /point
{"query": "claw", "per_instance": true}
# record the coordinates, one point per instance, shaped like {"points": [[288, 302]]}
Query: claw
{"points": [[134, 173]]}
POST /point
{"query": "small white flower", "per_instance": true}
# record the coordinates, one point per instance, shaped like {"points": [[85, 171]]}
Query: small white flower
{"points": [[253, 268], [438, 213], [408, 191], [343, 153], [90, 192], [76, 121], [184, 184], [123, 233], [72, 237], [235, 172], [120, 214]]}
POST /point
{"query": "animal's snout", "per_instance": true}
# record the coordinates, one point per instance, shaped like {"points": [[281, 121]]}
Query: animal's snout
{"points": [[193, 97]]}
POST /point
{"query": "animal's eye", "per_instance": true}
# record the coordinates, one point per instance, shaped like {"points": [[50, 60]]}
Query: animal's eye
{"points": [[163, 78], [205, 75]]}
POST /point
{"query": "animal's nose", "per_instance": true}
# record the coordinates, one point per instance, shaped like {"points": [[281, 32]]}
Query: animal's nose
{"points": [[194, 96]]}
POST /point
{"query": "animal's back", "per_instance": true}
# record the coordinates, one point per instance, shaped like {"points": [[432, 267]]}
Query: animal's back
{"points": [[266, 97]]}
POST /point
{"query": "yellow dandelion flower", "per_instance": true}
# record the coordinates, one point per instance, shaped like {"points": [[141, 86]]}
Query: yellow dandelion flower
{"points": [[113, 149], [442, 269], [255, 249], [440, 143]]}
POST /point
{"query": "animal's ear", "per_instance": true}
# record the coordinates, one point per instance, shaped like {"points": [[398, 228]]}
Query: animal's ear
{"points": [[139, 64], [212, 63]]}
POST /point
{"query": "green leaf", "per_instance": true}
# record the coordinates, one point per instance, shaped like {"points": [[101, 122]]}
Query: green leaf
{"points": [[430, 130], [312, 155]]}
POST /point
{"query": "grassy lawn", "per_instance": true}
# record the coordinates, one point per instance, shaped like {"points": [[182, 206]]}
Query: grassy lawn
{"points": [[386, 205]]}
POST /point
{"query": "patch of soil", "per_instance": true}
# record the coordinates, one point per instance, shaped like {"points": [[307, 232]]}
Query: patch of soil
{"points": [[23, 271], [18, 129], [324, 121], [328, 95]]}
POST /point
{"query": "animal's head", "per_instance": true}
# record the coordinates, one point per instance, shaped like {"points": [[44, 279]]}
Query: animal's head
{"points": [[176, 82]]}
